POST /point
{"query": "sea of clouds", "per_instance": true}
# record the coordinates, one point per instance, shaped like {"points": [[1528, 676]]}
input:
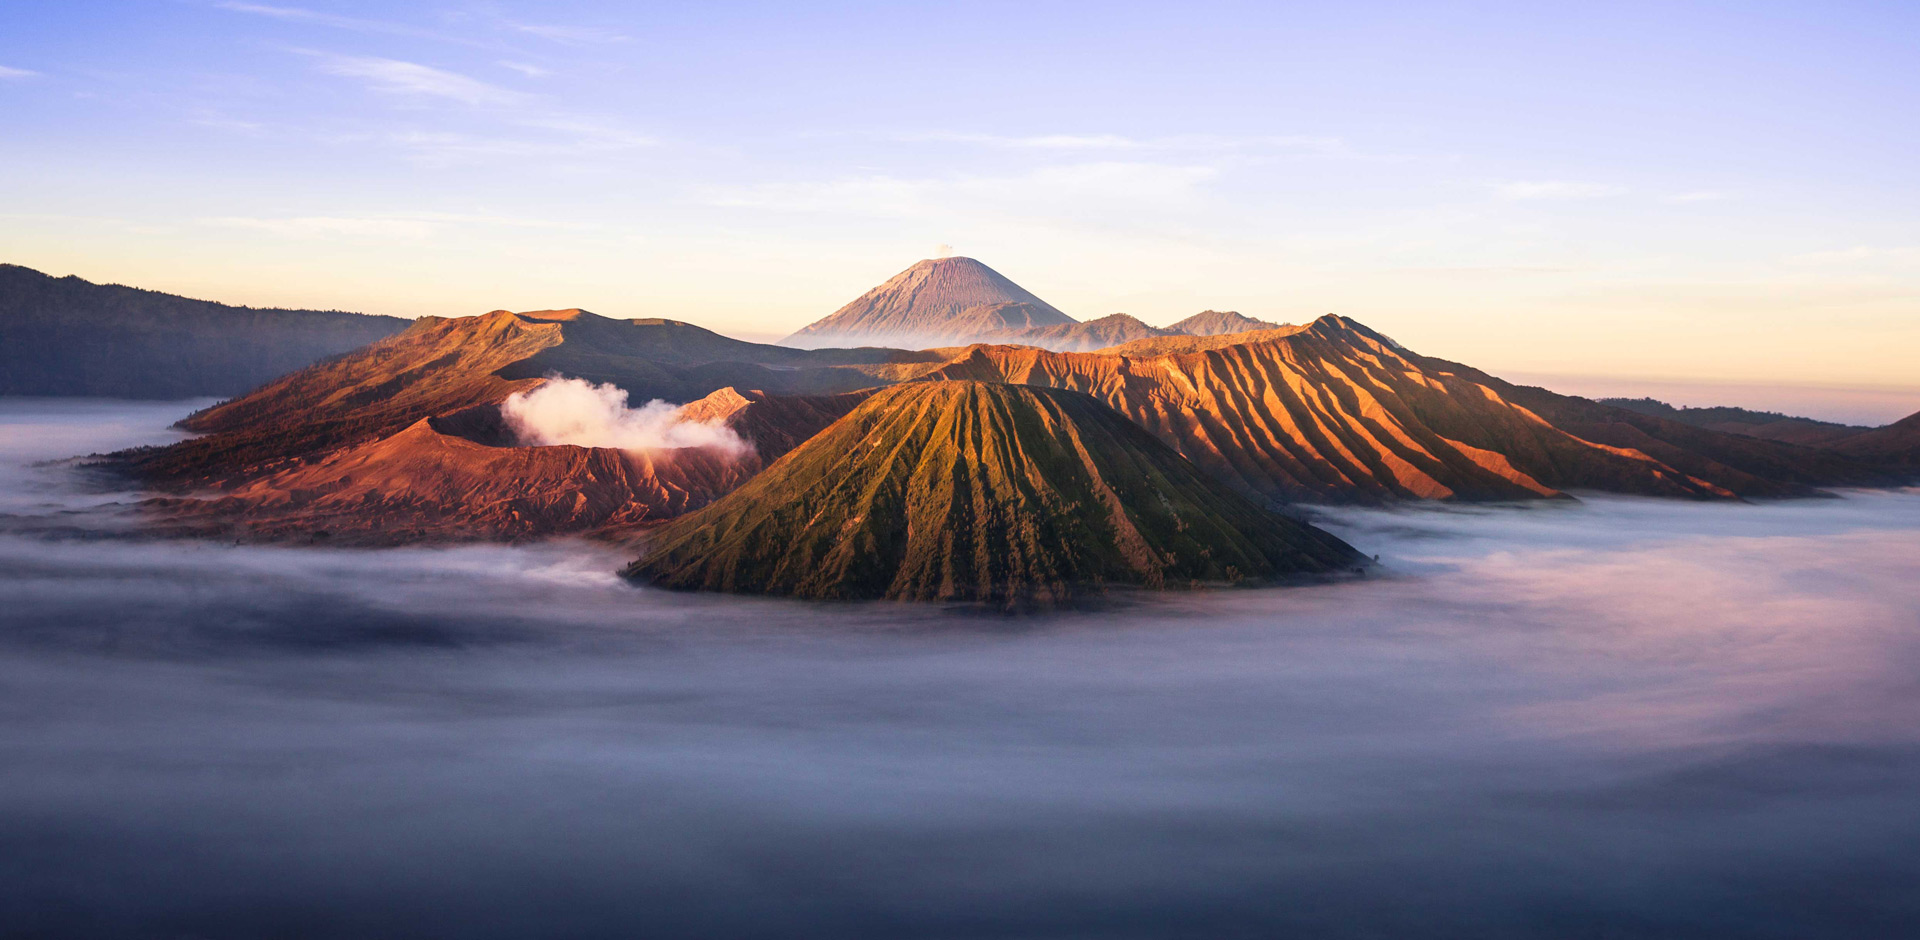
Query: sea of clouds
{"points": [[1620, 717]]}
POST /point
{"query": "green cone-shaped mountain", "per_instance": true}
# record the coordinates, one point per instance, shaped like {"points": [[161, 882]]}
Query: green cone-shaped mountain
{"points": [[969, 491]]}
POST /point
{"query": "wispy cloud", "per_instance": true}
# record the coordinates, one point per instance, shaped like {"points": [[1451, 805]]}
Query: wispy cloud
{"points": [[302, 15], [567, 139], [527, 123], [411, 79], [569, 35], [1522, 190], [336, 21], [12, 73], [531, 71]]}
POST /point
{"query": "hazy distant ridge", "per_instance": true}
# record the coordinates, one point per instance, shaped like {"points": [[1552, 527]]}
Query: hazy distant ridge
{"points": [[67, 336]]}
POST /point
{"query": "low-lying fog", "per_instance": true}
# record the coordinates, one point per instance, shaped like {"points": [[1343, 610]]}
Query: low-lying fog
{"points": [[1621, 718]]}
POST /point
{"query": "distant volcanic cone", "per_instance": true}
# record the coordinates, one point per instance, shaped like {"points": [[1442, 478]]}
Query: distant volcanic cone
{"points": [[1220, 323], [1008, 495], [943, 302]]}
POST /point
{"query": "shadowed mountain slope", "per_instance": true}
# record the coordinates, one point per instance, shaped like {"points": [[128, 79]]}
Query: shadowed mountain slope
{"points": [[967, 491], [1220, 323], [66, 336], [442, 366], [1767, 425], [1334, 411], [1746, 466], [934, 303], [1897, 444]]}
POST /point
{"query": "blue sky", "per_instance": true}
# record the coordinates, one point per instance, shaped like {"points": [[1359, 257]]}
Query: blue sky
{"points": [[1720, 192]]}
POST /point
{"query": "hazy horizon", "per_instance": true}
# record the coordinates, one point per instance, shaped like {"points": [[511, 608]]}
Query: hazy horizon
{"points": [[1658, 191]]}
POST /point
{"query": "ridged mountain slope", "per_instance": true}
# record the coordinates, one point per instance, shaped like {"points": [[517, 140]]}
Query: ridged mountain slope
{"points": [[937, 302], [976, 492], [1333, 412], [67, 336]]}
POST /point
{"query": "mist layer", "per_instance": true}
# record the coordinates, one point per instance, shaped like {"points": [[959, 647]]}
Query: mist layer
{"points": [[1616, 718]]}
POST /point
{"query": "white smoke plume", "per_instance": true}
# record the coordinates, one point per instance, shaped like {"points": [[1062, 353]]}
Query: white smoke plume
{"points": [[575, 411]]}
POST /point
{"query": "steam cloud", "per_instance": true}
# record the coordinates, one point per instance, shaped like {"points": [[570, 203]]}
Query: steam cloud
{"points": [[575, 411]]}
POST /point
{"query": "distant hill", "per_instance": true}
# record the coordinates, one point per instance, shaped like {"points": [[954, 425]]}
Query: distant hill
{"points": [[963, 491], [940, 302], [1768, 425], [1082, 337], [1897, 443], [66, 336], [1219, 323]]}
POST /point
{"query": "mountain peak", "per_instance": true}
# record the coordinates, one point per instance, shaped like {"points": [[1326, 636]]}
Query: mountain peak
{"points": [[936, 302]]}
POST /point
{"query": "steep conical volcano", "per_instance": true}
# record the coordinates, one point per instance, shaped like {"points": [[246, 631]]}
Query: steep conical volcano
{"points": [[969, 491], [941, 302]]}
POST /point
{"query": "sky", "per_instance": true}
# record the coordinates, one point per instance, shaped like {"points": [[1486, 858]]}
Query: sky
{"points": [[1708, 193]]}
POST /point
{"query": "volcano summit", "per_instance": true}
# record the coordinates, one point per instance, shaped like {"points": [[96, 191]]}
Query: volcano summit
{"points": [[943, 302]]}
